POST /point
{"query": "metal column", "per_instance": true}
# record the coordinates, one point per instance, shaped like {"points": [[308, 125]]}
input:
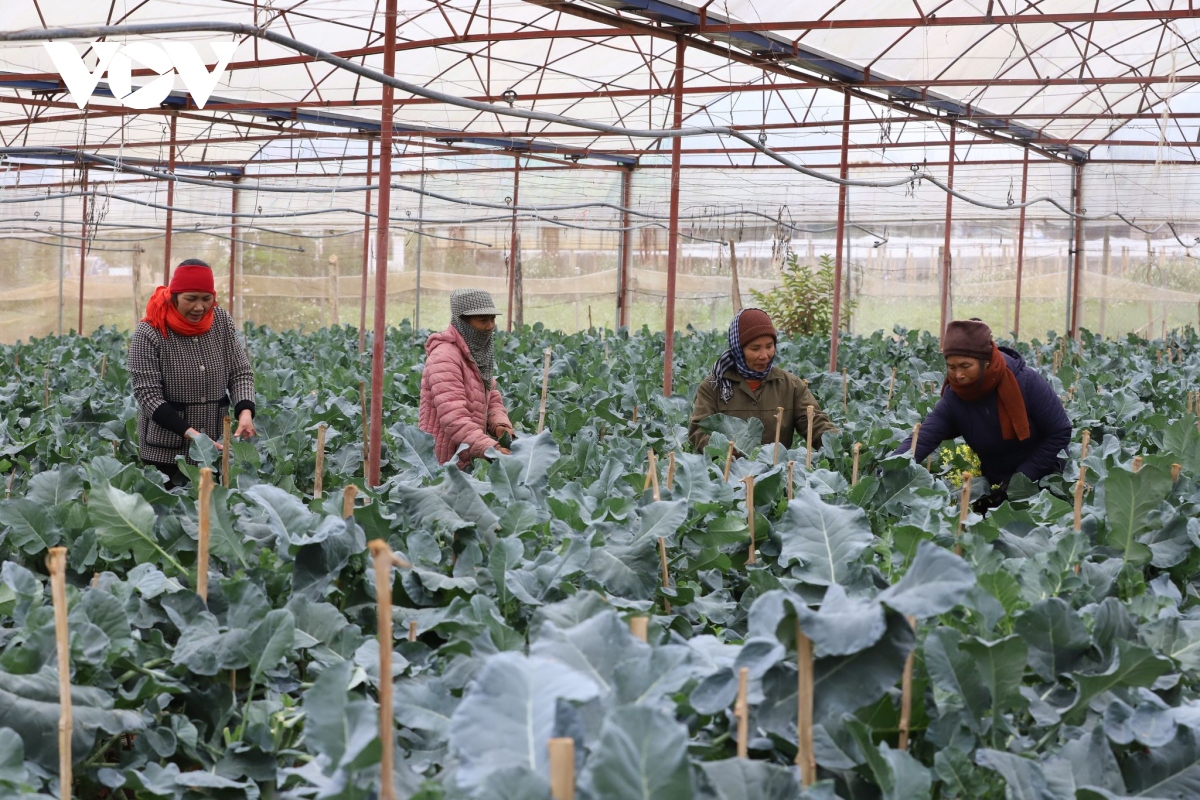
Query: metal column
{"points": [[387, 112], [1021, 246], [170, 206], [83, 251], [673, 232], [235, 245], [1077, 269], [626, 250], [362, 308], [420, 247], [62, 255], [946, 259], [843, 173], [512, 245]]}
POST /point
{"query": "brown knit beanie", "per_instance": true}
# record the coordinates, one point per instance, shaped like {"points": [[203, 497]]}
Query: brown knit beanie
{"points": [[754, 323], [967, 337]]}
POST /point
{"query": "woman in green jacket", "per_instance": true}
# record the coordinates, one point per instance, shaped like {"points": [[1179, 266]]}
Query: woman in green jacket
{"points": [[745, 384]]}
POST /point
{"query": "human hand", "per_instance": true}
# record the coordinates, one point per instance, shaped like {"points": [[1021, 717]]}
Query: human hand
{"points": [[192, 434], [245, 427], [503, 450]]}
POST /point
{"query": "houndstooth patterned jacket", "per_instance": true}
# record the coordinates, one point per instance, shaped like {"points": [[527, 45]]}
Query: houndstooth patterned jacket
{"points": [[186, 381]]}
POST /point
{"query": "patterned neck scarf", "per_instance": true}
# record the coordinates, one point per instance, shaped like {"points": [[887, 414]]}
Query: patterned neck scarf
{"points": [[733, 358], [480, 343]]}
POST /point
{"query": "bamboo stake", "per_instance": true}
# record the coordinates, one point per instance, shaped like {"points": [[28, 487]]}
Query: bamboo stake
{"points": [[916, 437], [640, 627], [1083, 448], [749, 481], [382, 555], [671, 471], [57, 563], [1079, 488], [319, 472], [562, 768], [46, 391], [103, 365], [204, 513], [634, 420], [906, 693], [964, 508], [348, 495], [1137, 463], [845, 393], [808, 446], [805, 757], [666, 575], [11, 477], [226, 436], [729, 460], [778, 431], [412, 630], [891, 390], [741, 710], [854, 474], [790, 484], [545, 382], [1176, 469]]}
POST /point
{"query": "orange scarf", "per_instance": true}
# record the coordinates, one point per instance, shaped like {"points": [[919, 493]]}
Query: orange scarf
{"points": [[162, 314], [1010, 403]]}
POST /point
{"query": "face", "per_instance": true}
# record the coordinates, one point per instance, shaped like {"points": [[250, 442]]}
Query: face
{"points": [[194, 305], [759, 353], [963, 371], [482, 323]]}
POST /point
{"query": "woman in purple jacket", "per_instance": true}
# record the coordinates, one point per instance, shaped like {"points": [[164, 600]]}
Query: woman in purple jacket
{"points": [[1006, 412]]}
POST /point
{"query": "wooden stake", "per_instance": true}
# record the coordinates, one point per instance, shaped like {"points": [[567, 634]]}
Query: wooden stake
{"points": [[652, 475], [749, 481], [790, 483], [13, 475], [1176, 469], [805, 757], [666, 575], [634, 420], [728, 460], [589, 316], [906, 692], [1137, 463], [562, 768], [204, 513], [854, 474], [964, 508], [1086, 441], [671, 471], [348, 495], [1079, 488], [226, 453], [845, 393], [891, 390], [103, 365], [741, 710], [640, 627], [545, 382], [319, 472], [916, 437], [382, 555], [808, 446], [46, 391], [57, 563], [778, 431], [412, 630]]}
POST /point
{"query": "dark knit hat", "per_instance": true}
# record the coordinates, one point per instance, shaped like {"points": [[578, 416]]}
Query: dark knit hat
{"points": [[967, 337], [753, 323]]}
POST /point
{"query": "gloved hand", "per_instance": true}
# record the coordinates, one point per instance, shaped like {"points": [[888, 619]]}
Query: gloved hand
{"points": [[997, 496]]}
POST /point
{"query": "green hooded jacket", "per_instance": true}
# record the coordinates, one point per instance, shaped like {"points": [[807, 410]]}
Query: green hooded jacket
{"points": [[778, 389]]}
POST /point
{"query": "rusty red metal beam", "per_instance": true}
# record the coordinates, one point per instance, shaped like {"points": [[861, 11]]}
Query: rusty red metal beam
{"points": [[939, 21], [673, 224], [946, 258], [1021, 246], [843, 173]]}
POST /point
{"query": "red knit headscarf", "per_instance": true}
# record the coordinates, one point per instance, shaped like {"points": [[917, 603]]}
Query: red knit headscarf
{"points": [[192, 275]]}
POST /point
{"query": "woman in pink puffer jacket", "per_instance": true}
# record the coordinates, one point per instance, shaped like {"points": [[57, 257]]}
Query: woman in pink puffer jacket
{"points": [[459, 363]]}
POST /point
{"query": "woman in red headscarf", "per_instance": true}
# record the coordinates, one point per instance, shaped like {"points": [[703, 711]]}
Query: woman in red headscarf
{"points": [[187, 366]]}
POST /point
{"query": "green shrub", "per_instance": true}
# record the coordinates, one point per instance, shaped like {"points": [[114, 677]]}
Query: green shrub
{"points": [[803, 305]]}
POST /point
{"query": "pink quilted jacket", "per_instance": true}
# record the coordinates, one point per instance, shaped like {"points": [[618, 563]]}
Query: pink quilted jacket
{"points": [[454, 406]]}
